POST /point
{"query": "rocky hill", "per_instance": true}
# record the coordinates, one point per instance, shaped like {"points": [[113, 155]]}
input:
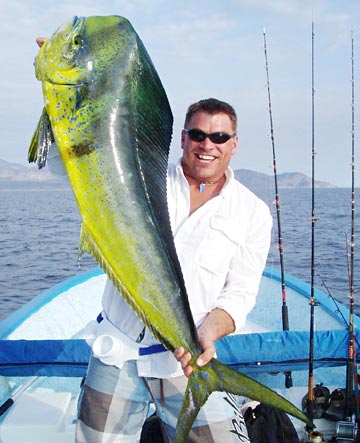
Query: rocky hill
{"points": [[16, 175], [255, 180]]}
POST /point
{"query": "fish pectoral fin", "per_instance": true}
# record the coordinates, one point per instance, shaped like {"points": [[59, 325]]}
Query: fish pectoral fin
{"points": [[41, 141]]}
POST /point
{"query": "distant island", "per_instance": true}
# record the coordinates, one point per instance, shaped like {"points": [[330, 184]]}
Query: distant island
{"points": [[13, 175], [16, 176], [255, 180]]}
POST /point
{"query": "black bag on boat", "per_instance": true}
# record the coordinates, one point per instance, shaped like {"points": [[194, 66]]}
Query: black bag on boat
{"points": [[266, 424], [153, 431]]}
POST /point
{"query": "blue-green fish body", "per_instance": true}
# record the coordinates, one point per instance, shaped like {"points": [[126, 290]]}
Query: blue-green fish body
{"points": [[110, 117]]}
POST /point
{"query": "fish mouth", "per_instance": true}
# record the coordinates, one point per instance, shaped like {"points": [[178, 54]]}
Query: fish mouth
{"points": [[67, 84], [75, 77]]}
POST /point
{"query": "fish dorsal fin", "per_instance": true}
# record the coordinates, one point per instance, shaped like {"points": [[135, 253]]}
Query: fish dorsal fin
{"points": [[152, 124]]}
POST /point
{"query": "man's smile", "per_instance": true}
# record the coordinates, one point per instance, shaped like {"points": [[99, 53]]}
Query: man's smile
{"points": [[207, 158]]}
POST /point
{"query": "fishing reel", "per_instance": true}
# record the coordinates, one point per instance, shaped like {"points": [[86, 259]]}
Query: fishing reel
{"points": [[346, 431], [315, 437]]}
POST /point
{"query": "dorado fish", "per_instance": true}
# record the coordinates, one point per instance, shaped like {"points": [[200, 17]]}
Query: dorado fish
{"points": [[108, 113]]}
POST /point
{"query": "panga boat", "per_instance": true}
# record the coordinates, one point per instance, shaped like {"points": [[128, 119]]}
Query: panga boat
{"points": [[44, 355]]}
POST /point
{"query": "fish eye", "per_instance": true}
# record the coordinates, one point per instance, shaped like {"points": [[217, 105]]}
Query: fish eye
{"points": [[77, 40]]}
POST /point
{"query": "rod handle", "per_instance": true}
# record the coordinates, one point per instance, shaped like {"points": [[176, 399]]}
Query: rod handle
{"points": [[6, 405]]}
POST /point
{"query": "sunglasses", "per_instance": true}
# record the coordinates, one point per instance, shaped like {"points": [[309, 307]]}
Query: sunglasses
{"points": [[218, 138]]}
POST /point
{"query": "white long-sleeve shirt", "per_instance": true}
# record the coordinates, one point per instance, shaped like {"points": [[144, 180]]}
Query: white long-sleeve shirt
{"points": [[222, 248]]}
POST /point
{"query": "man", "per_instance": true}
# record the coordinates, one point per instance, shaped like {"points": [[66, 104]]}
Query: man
{"points": [[222, 235]]}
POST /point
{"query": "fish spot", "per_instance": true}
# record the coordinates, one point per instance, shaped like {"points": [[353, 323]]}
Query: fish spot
{"points": [[205, 375], [80, 150]]}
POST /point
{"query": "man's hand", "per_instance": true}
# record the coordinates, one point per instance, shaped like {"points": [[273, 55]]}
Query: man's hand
{"points": [[216, 325], [185, 357], [41, 40]]}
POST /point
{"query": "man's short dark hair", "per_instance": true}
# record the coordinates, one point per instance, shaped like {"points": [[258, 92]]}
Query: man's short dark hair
{"points": [[211, 106]]}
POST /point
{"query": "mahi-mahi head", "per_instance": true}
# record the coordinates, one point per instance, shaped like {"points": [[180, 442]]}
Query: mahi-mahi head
{"points": [[108, 113]]}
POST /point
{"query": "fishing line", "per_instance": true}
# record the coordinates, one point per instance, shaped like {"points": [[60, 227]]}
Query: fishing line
{"points": [[338, 310], [284, 308], [333, 299]]}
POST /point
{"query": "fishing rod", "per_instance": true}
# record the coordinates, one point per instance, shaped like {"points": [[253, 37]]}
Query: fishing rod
{"points": [[310, 401], [351, 371], [14, 396], [284, 308]]}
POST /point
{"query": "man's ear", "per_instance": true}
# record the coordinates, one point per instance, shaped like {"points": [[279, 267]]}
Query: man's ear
{"points": [[235, 145]]}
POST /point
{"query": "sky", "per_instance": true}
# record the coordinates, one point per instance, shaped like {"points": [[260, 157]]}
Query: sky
{"points": [[212, 48]]}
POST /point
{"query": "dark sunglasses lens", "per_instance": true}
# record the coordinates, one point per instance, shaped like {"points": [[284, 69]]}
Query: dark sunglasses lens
{"points": [[216, 137], [196, 135], [219, 137]]}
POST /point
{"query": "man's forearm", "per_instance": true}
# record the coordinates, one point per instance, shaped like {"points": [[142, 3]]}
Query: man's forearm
{"points": [[217, 324]]}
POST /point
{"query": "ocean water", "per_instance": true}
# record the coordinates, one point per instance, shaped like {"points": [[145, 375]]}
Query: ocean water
{"points": [[332, 239], [39, 241], [40, 229]]}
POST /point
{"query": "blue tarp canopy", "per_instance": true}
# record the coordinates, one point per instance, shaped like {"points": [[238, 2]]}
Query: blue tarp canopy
{"points": [[259, 352]]}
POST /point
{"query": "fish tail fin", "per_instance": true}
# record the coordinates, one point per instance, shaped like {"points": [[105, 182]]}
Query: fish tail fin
{"points": [[237, 383], [195, 397], [218, 377]]}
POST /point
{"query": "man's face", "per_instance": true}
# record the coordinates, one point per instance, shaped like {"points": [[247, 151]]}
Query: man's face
{"points": [[206, 160]]}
